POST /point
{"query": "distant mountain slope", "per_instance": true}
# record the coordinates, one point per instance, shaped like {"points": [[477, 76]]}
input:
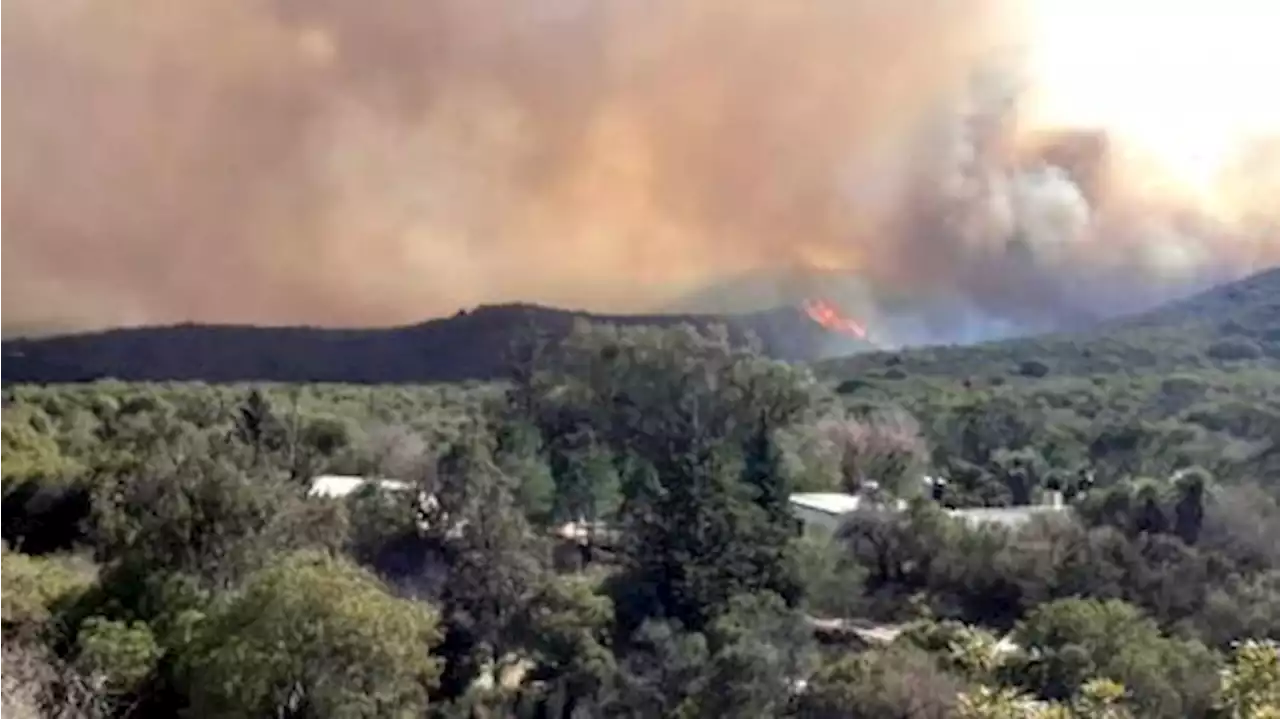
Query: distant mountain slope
{"points": [[467, 346], [1252, 303], [895, 315], [1232, 324]]}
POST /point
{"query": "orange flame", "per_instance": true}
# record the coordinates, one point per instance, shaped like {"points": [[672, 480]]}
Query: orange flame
{"points": [[826, 314]]}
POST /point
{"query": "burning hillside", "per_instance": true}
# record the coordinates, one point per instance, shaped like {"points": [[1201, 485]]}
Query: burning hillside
{"points": [[829, 317]]}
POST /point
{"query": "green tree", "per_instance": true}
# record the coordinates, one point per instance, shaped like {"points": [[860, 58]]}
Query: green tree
{"points": [[662, 673], [310, 635], [888, 683], [258, 426], [1098, 699], [1250, 685], [571, 627], [1070, 641], [963, 650], [495, 563], [690, 421], [518, 453], [586, 478], [1192, 490], [987, 702], [1023, 471], [832, 579], [198, 515], [116, 656], [36, 587], [30, 449], [759, 651], [1102, 699]]}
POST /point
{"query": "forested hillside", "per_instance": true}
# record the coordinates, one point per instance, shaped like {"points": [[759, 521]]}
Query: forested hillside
{"points": [[1234, 325], [1195, 383], [467, 346]]}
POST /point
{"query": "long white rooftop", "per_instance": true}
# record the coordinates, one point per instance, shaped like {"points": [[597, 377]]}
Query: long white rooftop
{"points": [[334, 485], [835, 503], [838, 504]]}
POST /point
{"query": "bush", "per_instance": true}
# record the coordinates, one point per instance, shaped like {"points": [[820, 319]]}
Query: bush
{"points": [[35, 586], [832, 579], [882, 684], [1234, 350], [1033, 368], [850, 386], [116, 655], [316, 631], [1183, 385]]}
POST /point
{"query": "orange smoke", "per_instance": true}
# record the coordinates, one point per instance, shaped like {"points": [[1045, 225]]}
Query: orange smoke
{"points": [[331, 162]]}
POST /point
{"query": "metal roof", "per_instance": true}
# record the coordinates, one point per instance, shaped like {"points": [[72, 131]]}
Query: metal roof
{"points": [[1007, 516], [835, 503], [334, 485]]}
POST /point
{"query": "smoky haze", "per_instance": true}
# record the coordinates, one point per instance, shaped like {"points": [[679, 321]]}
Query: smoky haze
{"points": [[340, 163]]}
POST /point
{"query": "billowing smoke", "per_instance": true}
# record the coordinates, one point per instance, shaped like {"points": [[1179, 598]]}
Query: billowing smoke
{"points": [[337, 162]]}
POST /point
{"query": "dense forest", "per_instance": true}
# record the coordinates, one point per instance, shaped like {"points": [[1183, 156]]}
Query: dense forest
{"points": [[163, 557]]}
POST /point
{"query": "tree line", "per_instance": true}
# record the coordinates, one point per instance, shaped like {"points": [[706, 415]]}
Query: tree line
{"points": [[163, 556]]}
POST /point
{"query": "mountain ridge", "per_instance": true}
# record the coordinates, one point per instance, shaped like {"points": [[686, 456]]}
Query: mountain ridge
{"points": [[1230, 322], [470, 345]]}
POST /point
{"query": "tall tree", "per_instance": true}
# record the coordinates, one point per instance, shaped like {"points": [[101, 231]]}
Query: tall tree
{"points": [[1192, 487], [257, 426], [689, 420], [495, 562]]}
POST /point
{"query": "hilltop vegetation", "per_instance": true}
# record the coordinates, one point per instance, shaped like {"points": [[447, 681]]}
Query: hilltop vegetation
{"points": [[468, 346], [1229, 327], [162, 555]]}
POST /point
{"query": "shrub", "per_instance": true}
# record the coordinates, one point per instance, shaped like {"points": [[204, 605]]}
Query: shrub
{"points": [[35, 586], [313, 630], [1234, 350], [1033, 368], [116, 655]]}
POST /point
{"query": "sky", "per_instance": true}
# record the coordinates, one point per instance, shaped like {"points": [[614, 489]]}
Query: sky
{"points": [[1184, 81]]}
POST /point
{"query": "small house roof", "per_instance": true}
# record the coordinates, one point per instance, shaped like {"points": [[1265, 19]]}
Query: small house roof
{"points": [[834, 503], [1007, 516], [336, 485]]}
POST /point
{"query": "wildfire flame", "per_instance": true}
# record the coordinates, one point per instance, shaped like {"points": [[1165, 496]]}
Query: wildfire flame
{"points": [[826, 314]]}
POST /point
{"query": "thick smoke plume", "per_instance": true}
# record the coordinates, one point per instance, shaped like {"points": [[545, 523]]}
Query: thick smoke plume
{"points": [[337, 162]]}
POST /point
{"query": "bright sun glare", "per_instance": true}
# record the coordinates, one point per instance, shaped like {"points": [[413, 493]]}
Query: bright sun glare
{"points": [[1187, 82]]}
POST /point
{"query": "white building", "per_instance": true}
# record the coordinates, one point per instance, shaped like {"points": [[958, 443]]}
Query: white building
{"points": [[335, 486], [338, 486], [1011, 517], [826, 511]]}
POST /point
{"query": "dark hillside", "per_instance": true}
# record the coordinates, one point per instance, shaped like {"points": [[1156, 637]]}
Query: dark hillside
{"points": [[470, 345], [1229, 326]]}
